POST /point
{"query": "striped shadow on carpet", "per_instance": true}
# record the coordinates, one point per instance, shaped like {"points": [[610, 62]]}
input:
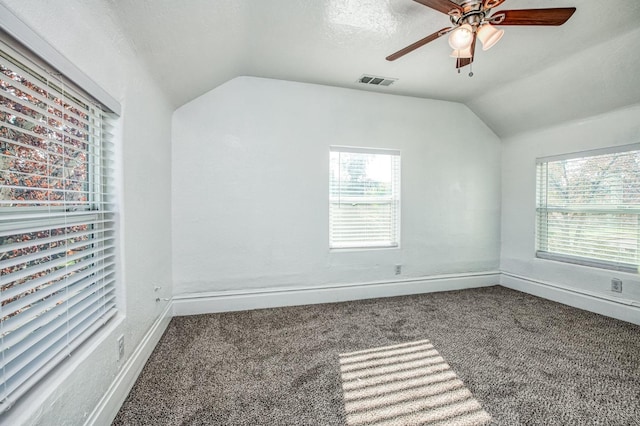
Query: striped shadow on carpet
{"points": [[403, 384]]}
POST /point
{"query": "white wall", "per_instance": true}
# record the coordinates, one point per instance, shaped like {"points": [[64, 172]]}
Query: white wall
{"points": [[519, 153], [84, 32], [250, 186]]}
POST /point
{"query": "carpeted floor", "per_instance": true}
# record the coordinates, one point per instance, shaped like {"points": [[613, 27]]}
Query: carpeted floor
{"points": [[480, 356]]}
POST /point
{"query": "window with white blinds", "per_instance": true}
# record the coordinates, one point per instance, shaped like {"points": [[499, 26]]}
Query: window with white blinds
{"points": [[57, 229], [588, 210], [364, 198]]}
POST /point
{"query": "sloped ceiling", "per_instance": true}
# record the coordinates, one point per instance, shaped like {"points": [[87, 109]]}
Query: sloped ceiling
{"points": [[534, 77]]}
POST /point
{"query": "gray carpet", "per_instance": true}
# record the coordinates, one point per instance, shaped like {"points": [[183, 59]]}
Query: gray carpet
{"points": [[471, 357]]}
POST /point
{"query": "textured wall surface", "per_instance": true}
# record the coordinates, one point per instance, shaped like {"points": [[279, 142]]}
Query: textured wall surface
{"points": [[251, 184]]}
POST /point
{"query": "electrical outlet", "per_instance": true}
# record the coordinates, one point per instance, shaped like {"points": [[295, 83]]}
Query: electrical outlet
{"points": [[398, 269], [616, 285], [120, 347]]}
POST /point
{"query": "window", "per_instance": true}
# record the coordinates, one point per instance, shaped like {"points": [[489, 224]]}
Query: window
{"points": [[588, 209], [364, 198], [57, 229]]}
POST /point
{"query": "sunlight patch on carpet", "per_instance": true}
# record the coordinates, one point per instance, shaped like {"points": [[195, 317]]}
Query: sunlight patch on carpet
{"points": [[405, 384]]}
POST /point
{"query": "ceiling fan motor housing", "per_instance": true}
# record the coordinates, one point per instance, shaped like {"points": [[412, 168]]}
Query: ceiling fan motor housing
{"points": [[473, 12]]}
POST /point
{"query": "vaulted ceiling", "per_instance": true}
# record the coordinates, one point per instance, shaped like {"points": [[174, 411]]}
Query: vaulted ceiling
{"points": [[534, 77]]}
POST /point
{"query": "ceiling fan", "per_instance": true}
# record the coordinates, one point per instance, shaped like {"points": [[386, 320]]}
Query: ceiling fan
{"points": [[473, 20]]}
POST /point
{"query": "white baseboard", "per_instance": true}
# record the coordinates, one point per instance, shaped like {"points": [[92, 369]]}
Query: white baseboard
{"points": [[110, 404], [227, 301], [619, 308]]}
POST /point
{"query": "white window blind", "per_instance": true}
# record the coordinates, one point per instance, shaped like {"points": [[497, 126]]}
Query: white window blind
{"points": [[364, 198], [57, 229], [588, 210]]}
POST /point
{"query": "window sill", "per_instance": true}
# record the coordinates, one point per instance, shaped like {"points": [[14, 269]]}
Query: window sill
{"points": [[581, 261], [368, 248]]}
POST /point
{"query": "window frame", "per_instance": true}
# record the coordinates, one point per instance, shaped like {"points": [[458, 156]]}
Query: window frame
{"points": [[393, 200], [542, 210]]}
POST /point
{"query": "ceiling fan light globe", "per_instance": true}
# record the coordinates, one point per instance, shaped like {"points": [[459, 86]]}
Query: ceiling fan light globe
{"points": [[461, 37], [489, 36], [463, 53]]}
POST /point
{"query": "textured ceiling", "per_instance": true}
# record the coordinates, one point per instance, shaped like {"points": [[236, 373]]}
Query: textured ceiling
{"points": [[534, 77]]}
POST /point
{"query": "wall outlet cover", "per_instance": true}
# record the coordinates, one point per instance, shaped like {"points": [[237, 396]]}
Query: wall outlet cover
{"points": [[616, 285]]}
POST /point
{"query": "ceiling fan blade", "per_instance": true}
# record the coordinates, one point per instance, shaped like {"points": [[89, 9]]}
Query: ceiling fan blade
{"points": [[400, 53], [444, 6], [463, 62], [555, 16]]}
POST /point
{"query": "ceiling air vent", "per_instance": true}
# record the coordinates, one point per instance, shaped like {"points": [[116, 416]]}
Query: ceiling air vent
{"points": [[375, 80]]}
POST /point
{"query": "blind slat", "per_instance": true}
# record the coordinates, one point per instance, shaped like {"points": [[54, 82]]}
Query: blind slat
{"points": [[34, 295], [39, 80], [53, 329], [62, 222], [27, 330], [10, 246], [52, 251], [45, 363], [51, 264]]}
